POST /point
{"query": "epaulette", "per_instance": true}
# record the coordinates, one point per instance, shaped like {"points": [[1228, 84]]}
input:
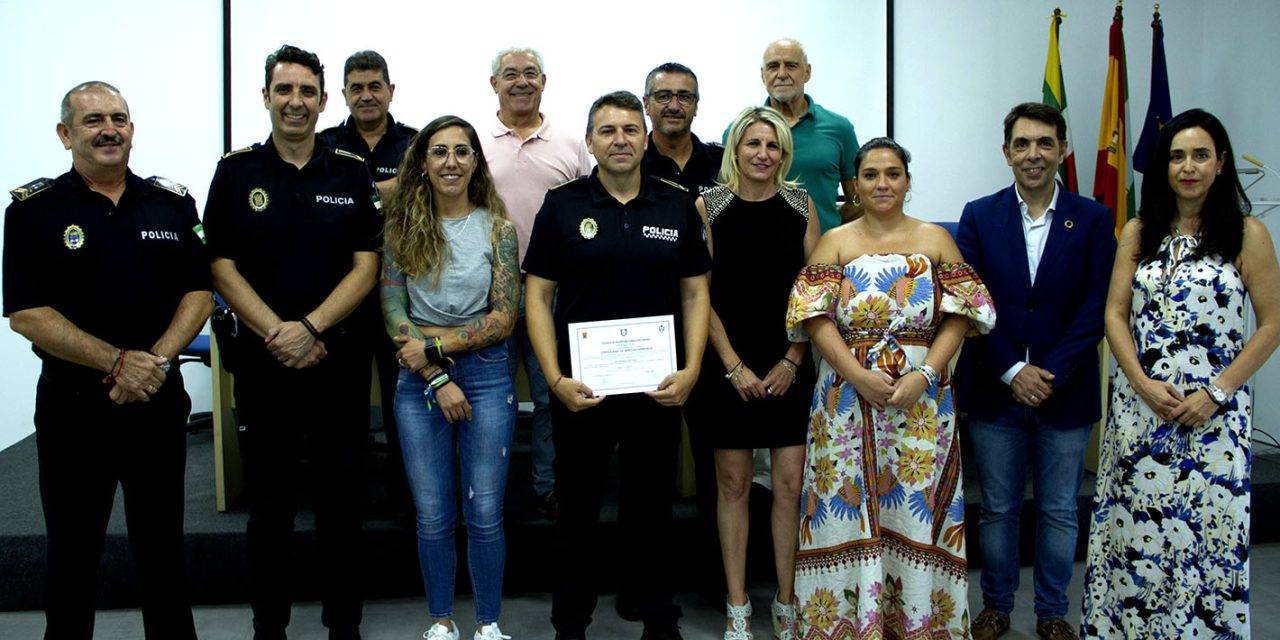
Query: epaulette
{"points": [[167, 185], [675, 184], [348, 154], [31, 188], [567, 182], [237, 151]]}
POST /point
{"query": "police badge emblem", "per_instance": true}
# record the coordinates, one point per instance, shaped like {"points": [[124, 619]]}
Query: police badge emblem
{"points": [[258, 199], [588, 228], [73, 237]]}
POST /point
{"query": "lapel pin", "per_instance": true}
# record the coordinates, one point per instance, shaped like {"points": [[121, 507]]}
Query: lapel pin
{"points": [[1068, 224]]}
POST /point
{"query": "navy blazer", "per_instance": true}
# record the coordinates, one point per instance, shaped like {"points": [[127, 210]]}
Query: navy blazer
{"points": [[1058, 317]]}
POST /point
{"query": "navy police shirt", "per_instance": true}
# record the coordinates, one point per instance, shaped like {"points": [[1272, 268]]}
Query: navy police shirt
{"points": [[612, 260], [117, 271]]}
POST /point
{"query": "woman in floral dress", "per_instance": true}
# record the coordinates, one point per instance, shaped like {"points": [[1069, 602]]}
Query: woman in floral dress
{"points": [[1169, 542], [886, 302]]}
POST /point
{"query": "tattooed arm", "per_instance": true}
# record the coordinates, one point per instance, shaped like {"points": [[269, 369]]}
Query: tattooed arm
{"points": [[504, 296], [395, 298]]}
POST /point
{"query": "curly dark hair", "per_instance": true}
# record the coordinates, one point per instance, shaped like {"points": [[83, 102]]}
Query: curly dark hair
{"points": [[1225, 207], [412, 228]]}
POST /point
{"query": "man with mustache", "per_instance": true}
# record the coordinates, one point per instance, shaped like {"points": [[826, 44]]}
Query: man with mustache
{"points": [[616, 245], [825, 143], [528, 156], [374, 135], [1030, 389], [671, 100], [106, 274], [294, 230]]}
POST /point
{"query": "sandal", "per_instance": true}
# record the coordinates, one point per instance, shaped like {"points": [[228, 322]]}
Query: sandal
{"points": [[784, 619], [738, 616]]}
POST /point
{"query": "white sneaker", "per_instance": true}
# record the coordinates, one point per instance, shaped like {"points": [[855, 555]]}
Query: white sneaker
{"points": [[441, 632], [490, 632]]}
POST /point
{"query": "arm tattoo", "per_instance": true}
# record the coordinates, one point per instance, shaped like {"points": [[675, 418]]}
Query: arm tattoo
{"points": [[395, 297], [504, 294]]}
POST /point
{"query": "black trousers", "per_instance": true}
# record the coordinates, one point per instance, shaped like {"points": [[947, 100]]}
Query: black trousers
{"points": [[646, 436], [86, 445], [321, 415]]}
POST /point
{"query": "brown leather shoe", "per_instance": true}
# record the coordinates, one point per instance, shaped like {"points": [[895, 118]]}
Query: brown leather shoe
{"points": [[988, 625], [1055, 629]]}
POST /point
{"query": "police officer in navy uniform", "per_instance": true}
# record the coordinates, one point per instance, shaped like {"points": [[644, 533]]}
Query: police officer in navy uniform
{"points": [[616, 245], [294, 231], [374, 135], [371, 132], [671, 100], [105, 273]]}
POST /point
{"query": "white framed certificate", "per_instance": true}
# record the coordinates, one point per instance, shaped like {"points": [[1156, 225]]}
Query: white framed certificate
{"points": [[623, 356]]}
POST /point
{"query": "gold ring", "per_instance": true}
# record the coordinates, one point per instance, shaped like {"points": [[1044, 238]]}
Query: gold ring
{"points": [[151, 388]]}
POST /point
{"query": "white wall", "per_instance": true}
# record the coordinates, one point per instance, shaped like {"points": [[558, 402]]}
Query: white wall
{"points": [[165, 57], [440, 61]]}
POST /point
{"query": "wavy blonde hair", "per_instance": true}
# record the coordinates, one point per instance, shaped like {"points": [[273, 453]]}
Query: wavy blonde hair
{"points": [[730, 175], [413, 230]]}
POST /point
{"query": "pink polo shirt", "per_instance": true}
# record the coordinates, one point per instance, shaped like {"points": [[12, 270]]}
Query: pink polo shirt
{"points": [[523, 170]]}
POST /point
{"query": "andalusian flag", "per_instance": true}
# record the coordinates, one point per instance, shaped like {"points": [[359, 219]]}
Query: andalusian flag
{"points": [[1055, 94], [1160, 108], [1113, 178]]}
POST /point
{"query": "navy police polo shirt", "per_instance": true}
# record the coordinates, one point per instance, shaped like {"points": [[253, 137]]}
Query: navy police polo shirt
{"points": [[612, 260]]}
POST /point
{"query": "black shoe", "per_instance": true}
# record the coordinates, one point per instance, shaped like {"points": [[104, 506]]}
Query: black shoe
{"points": [[627, 607], [661, 631]]}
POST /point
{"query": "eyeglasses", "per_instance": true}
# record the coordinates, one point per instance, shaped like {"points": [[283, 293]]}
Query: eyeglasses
{"points": [[686, 98], [462, 152]]}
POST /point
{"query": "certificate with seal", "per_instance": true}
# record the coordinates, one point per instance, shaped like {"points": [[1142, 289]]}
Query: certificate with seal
{"points": [[623, 356]]}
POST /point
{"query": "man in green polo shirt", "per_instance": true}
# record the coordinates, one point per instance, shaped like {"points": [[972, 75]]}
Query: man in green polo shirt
{"points": [[825, 143]]}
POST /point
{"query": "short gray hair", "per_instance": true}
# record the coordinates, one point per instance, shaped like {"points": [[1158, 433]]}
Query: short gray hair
{"points": [[95, 86], [497, 59]]}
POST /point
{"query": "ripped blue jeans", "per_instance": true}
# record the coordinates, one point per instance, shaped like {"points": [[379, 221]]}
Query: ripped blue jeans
{"points": [[477, 452]]}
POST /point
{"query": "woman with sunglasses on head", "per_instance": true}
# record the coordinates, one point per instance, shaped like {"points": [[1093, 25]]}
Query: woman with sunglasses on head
{"points": [[450, 290]]}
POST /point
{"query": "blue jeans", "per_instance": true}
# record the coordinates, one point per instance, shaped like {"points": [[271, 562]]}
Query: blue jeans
{"points": [[482, 445], [1003, 449], [544, 448]]}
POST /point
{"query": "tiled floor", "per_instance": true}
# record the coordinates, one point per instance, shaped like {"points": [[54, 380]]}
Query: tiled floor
{"points": [[525, 615]]}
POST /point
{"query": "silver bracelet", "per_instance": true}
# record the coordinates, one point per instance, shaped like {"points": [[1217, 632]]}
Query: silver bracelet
{"points": [[929, 373]]}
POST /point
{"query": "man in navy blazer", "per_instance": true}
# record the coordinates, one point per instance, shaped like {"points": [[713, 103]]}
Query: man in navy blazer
{"points": [[1030, 388]]}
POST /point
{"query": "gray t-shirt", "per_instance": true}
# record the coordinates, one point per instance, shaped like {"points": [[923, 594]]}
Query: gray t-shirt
{"points": [[462, 294]]}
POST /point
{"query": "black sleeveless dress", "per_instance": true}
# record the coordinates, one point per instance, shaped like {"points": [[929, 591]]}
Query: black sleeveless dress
{"points": [[758, 250]]}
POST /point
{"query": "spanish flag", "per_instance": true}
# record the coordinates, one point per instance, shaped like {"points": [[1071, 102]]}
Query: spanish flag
{"points": [[1113, 178], [1055, 94]]}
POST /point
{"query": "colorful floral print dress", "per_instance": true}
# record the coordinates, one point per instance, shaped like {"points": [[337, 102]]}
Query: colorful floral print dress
{"points": [[1169, 540], [882, 529]]}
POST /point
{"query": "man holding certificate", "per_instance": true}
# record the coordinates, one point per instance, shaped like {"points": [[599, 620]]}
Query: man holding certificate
{"points": [[623, 258]]}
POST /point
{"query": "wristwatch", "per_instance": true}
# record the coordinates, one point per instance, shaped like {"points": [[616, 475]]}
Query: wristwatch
{"points": [[1218, 396]]}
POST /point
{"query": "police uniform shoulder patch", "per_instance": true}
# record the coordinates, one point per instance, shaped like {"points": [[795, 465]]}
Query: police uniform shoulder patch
{"points": [[167, 185], [343, 152], [569, 182], [31, 188], [674, 184], [236, 152]]}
